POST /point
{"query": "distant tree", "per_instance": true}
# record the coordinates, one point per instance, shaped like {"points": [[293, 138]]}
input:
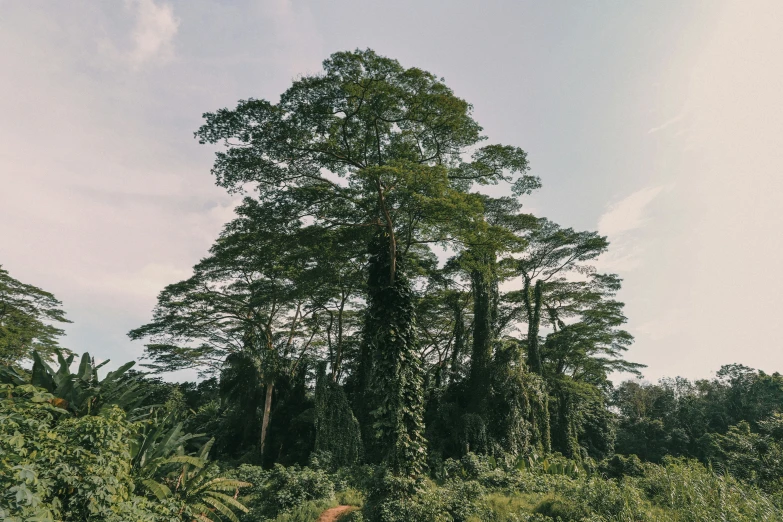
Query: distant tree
{"points": [[591, 344], [551, 252], [27, 320]]}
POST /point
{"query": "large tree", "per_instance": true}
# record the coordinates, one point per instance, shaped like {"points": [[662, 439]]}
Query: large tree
{"points": [[499, 231], [28, 318], [369, 143]]}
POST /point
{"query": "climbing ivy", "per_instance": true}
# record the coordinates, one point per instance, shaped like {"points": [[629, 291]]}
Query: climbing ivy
{"points": [[519, 412], [395, 384], [336, 428]]}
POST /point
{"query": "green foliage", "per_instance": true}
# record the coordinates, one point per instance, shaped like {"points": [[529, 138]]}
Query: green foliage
{"points": [[755, 458], [518, 417], [283, 489], [27, 320], [336, 429], [83, 392], [158, 440], [350, 497], [545, 489], [682, 418], [308, 511], [695, 493], [393, 498], [58, 467], [621, 466], [581, 425], [552, 251], [394, 396], [196, 488]]}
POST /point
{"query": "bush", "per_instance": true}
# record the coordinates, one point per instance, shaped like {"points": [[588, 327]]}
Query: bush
{"points": [[612, 500], [564, 510], [469, 467], [307, 512], [285, 493], [58, 467], [391, 498], [288, 487], [353, 516], [464, 500], [619, 466], [350, 497]]}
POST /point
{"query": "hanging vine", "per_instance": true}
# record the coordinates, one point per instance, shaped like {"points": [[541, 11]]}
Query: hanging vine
{"points": [[336, 428]]}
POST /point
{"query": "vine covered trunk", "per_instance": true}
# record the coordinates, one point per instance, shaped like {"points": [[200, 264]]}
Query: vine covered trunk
{"points": [[533, 297], [392, 369], [485, 297]]}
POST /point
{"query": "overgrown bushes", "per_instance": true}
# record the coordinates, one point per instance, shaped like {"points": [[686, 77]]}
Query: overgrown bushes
{"points": [[477, 488]]}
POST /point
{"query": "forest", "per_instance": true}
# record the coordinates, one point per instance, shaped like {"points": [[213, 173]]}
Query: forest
{"points": [[377, 339]]}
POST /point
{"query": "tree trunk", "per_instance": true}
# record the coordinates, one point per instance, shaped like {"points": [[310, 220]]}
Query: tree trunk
{"points": [[339, 355], [459, 338], [394, 397], [484, 286], [267, 413], [533, 309]]}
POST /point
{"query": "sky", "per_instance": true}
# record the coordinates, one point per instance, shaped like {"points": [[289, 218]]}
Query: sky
{"points": [[659, 124]]}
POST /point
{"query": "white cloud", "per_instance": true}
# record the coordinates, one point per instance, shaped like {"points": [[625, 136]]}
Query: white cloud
{"points": [[153, 35], [667, 123], [628, 213]]}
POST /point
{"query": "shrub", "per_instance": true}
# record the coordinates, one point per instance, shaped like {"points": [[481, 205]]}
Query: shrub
{"points": [[696, 493], [464, 500], [58, 467], [350, 497], [619, 466], [305, 512], [564, 510], [392, 498], [289, 487]]}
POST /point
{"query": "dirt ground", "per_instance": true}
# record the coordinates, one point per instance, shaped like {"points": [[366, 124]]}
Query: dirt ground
{"points": [[330, 515]]}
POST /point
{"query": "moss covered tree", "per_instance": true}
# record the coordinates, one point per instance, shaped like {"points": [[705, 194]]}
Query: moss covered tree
{"points": [[367, 144]]}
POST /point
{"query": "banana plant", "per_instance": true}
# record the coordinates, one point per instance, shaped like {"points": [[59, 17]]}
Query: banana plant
{"points": [[158, 442], [83, 392], [555, 466], [196, 488], [11, 375]]}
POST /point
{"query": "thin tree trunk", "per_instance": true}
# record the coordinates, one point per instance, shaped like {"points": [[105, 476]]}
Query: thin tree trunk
{"points": [[389, 230], [533, 309], [267, 413], [459, 338], [339, 355]]}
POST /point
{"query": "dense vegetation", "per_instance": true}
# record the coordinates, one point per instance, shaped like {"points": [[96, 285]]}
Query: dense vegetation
{"points": [[373, 330]]}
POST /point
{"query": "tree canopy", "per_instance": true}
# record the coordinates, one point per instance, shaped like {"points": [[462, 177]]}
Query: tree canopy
{"points": [[28, 320]]}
